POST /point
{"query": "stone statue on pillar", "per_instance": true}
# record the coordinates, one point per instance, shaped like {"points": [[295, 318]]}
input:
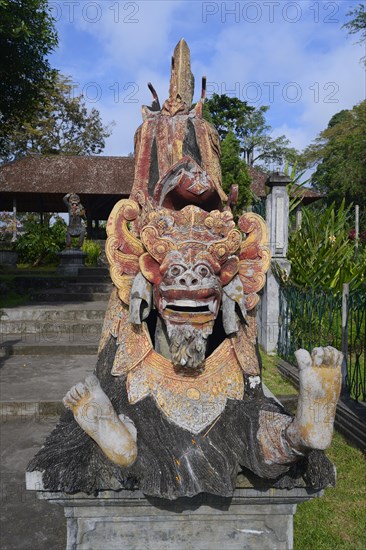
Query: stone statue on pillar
{"points": [[76, 225], [175, 406]]}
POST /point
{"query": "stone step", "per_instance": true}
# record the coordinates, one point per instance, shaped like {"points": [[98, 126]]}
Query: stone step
{"points": [[37, 410], [93, 279], [53, 344], [93, 271], [62, 295], [26, 522], [56, 312], [41, 330], [29, 272], [84, 287]]}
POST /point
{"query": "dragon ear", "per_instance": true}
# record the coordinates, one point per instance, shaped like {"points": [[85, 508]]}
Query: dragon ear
{"points": [[254, 257], [229, 270], [150, 269], [122, 248]]}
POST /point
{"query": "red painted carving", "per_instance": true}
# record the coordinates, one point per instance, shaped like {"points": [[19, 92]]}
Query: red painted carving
{"points": [[177, 228]]}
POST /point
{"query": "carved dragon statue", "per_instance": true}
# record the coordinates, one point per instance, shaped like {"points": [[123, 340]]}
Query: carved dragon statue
{"points": [[176, 405]]}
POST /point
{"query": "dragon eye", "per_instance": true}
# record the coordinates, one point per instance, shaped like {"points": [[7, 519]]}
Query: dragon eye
{"points": [[176, 270], [203, 270]]}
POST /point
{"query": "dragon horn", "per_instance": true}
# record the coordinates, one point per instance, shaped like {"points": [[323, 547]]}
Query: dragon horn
{"points": [[181, 79], [156, 103]]}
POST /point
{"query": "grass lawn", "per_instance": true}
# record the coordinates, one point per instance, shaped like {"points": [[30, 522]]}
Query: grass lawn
{"points": [[335, 521], [273, 379]]}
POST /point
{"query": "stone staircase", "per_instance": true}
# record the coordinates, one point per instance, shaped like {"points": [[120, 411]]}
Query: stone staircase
{"points": [[63, 320], [92, 284], [51, 344], [52, 329], [46, 347]]}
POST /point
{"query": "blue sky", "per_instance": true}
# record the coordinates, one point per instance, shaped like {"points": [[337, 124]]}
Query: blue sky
{"points": [[291, 55]]}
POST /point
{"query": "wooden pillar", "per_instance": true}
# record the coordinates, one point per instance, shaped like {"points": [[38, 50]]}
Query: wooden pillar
{"points": [[15, 235], [89, 224]]}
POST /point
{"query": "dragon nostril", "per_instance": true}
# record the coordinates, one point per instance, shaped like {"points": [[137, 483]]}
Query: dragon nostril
{"points": [[194, 281], [182, 281]]}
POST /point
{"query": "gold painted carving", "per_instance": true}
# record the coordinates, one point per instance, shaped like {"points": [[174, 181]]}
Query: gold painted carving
{"points": [[133, 345], [181, 81], [254, 256], [191, 402], [191, 230], [122, 248], [116, 313], [244, 346]]}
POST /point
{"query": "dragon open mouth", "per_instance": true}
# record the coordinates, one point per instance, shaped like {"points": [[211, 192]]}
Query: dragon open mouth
{"points": [[192, 306], [189, 309], [208, 308]]}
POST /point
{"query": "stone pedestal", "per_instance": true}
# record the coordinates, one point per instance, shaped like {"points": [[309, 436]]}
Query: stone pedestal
{"points": [[70, 261], [127, 520]]}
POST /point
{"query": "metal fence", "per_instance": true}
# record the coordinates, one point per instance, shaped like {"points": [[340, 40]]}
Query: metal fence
{"points": [[311, 318]]}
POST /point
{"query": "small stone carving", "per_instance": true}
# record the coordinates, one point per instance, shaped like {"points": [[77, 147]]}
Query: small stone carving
{"points": [[176, 406], [76, 226]]}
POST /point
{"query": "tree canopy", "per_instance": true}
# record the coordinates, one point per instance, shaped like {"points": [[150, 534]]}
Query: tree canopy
{"points": [[62, 124], [234, 171], [226, 113], [339, 155], [250, 128], [357, 24], [27, 36]]}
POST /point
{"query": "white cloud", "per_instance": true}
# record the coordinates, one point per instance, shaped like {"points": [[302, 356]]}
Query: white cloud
{"points": [[336, 82], [131, 33], [126, 112], [313, 52]]}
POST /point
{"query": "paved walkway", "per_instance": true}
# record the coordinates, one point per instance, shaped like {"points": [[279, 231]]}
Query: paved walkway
{"points": [[31, 382], [26, 522], [36, 370]]}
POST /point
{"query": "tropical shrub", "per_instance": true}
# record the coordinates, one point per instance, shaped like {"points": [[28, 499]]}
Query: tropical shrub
{"points": [[40, 243], [92, 251], [321, 252]]}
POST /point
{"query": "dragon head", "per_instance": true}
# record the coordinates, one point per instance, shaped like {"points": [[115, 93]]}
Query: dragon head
{"points": [[173, 246]]}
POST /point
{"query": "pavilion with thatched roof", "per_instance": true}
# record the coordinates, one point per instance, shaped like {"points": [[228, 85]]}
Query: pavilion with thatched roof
{"points": [[38, 183]]}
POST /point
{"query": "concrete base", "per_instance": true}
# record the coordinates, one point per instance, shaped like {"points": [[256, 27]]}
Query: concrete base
{"points": [[127, 520], [70, 262]]}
